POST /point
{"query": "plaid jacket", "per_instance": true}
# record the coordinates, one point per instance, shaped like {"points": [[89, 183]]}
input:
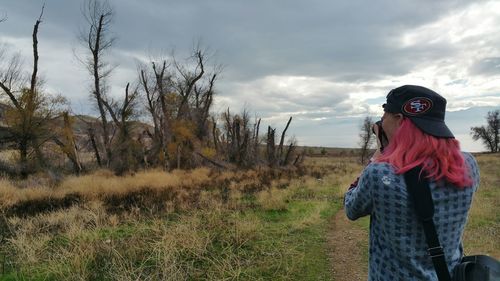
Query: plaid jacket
{"points": [[398, 250]]}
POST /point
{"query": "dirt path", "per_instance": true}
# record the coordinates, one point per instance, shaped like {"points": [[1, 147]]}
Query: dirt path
{"points": [[347, 242]]}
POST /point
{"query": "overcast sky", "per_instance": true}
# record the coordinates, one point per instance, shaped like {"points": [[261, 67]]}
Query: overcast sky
{"points": [[326, 63]]}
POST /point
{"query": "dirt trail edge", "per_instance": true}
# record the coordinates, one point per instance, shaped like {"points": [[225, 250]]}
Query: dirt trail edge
{"points": [[346, 240]]}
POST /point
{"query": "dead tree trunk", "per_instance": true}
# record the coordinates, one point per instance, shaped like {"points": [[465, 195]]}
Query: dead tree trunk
{"points": [[215, 135], [256, 136], [280, 148], [271, 149], [164, 134], [92, 137], [237, 148], [291, 148]]}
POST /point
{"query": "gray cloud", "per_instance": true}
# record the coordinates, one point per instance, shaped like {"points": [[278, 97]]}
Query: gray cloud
{"points": [[346, 41], [317, 38], [320, 60], [486, 66]]}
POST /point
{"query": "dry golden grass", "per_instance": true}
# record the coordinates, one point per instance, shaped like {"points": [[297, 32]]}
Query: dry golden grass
{"points": [[103, 184], [8, 155], [10, 194]]}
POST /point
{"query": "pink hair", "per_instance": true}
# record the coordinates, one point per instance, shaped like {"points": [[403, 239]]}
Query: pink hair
{"points": [[440, 158]]}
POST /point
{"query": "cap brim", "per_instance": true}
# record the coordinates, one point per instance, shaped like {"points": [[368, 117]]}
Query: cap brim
{"points": [[432, 127], [390, 109]]}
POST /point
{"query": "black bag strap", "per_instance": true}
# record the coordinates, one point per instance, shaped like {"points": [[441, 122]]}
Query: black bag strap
{"points": [[420, 193]]}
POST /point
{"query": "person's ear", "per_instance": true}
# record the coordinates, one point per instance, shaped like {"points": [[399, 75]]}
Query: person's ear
{"points": [[399, 118]]}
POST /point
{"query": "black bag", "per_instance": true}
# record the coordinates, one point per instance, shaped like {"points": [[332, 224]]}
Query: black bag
{"points": [[471, 268], [478, 267]]}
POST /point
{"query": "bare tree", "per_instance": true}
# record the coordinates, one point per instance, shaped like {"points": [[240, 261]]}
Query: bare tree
{"points": [[31, 112], [156, 83], [203, 103], [275, 156], [237, 144], [122, 115], [98, 40], [178, 97], [185, 82], [489, 134], [366, 138]]}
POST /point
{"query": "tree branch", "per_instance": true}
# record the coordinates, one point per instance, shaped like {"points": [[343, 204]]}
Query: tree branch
{"points": [[35, 52], [11, 96]]}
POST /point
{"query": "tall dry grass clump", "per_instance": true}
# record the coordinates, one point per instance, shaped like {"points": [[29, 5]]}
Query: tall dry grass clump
{"points": [[104, 183], [11, 194], [177, 189], [273, 199], [185, 225], [84, 243]]}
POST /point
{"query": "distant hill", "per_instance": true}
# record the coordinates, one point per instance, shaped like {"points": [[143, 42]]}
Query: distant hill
{"points": [[81, 124]]}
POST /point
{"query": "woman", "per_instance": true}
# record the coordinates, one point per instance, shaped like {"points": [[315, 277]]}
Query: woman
{"points": [[413, 121]]}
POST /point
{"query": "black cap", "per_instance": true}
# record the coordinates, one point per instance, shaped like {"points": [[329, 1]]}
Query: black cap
{"points": [[424, 107]]}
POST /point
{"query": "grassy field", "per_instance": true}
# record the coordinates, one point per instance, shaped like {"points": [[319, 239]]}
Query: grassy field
{"points": [[195, 225], [482, 234]]}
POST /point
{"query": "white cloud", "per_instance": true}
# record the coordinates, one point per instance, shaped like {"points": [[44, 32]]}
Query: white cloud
{"points": [[307, 97], [472, 38], [478, 21]]}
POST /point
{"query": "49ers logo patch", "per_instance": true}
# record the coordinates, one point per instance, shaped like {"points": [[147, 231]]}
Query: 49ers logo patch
{"points": [[417, 106]]}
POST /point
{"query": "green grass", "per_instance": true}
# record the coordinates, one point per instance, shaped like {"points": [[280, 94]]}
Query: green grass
{"points": [[482, 232], [20, 276], [286, 240], [307, 257], [295, 238]]}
